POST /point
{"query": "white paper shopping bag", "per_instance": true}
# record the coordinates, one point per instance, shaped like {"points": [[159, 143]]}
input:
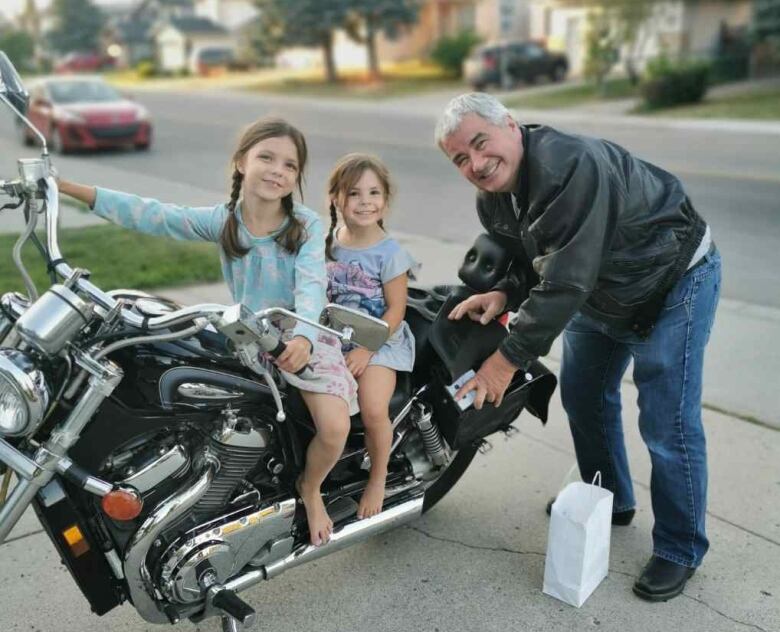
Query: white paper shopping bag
{"points": [[578, 542]]}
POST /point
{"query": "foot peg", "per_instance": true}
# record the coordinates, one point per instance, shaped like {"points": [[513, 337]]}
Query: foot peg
{"points": [[232, 605], [341, 508]]}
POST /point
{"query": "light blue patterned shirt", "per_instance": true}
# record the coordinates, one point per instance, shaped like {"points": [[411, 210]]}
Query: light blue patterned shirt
{"points": [[267, 276]]}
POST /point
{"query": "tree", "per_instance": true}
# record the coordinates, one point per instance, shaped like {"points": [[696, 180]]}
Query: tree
{"points": [[368, 18], [267, 33], [766, 18], [307, 23], [19, 47], [77, 25]]}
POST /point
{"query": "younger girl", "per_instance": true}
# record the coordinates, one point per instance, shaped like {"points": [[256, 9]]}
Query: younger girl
{"points": [[368, 270], [272, 256]]}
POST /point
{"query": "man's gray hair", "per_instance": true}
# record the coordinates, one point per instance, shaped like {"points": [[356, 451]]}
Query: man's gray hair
{"points": [[479, 103]]}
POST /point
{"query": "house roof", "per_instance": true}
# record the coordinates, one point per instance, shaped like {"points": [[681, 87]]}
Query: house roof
{"points": [[192, 24], [133, 30]]}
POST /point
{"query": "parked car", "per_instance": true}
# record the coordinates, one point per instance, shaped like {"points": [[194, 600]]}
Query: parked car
{"points": [[214, 60], [504, 65], [85, 113], [83, 62]]}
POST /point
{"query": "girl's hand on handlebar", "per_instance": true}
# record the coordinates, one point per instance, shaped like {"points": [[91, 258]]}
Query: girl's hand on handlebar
{"points": [[295, 356]]}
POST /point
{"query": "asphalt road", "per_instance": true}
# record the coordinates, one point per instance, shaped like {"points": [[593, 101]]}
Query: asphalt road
{"points": [[733, 178]]}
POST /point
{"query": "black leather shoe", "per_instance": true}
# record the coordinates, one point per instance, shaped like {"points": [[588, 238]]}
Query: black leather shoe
{"points": [[619, 518], [661, 580]]}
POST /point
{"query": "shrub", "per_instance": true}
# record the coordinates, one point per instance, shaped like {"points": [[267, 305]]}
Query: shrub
{"points": [[146, 69], [19, 47], [667, 83], [450, 52]]}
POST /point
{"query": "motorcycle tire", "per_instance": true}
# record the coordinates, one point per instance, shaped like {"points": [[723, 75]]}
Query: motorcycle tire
{"points": [[451, 475]]}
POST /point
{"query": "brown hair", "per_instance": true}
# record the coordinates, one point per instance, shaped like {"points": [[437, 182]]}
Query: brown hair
{"points": [[294, 234], [348, 170]]}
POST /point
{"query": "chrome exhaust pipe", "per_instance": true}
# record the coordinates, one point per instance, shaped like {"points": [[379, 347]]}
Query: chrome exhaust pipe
{"points": [[139, 580], [350, 534]]}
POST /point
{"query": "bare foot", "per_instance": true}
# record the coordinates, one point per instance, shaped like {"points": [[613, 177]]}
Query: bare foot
{"points": [[320, 524], [373, 495]]}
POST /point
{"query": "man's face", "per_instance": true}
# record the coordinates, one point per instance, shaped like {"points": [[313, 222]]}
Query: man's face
{"points": [[488, 156]]}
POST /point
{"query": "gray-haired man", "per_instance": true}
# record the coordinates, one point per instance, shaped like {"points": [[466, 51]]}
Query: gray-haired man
{"points": [[615, 257]]}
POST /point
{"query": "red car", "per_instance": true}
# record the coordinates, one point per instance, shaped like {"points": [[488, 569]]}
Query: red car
{"points": [[85, 113], [83, 62]]}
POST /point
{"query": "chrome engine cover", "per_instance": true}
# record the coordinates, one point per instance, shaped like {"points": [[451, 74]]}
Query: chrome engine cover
{"points": [[225, 546]]}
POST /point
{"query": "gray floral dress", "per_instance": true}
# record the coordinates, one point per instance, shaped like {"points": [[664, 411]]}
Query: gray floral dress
{"points": [[355, 279]]}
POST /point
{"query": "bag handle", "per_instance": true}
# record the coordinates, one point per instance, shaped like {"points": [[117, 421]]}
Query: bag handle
{"points": [[596, 476]]}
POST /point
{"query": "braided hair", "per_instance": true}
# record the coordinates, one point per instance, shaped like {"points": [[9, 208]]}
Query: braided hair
{"points": [[344, 176], [294, 234]]}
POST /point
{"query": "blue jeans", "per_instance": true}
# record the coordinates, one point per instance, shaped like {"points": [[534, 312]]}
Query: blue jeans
{"points": [[668, 374]]}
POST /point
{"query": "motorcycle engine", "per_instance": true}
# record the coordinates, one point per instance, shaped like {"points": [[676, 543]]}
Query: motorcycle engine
{"points": [[221, 534], [238, 446]]}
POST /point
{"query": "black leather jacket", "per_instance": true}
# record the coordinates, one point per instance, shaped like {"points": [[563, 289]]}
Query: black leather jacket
{"points": [[598, 230]]}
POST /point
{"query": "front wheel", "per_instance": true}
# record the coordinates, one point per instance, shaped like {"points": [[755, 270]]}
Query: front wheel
{"points": [[451, 475]]}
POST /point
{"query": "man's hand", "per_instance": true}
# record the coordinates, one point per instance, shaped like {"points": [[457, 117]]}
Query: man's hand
{"points": [[490, 382], [481, 307], [296, 355], [357, 360]]}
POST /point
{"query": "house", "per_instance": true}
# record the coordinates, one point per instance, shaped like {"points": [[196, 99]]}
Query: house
{"points": [[491, 20], [128, 34], [677, 28], [240, 17], [181, 41]]}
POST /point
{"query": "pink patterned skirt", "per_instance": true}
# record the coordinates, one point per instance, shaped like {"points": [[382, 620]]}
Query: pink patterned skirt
{"points": [[331, 375]]}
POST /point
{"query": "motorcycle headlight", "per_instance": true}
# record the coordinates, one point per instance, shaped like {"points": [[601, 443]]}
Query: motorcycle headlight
{"points": [[24, 394]]}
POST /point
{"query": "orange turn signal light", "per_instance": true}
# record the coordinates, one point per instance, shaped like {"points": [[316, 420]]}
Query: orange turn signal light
{"points": [[75, 540], [122, 504]]}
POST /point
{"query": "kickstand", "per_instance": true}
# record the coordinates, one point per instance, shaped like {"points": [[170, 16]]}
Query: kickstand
{"points": [[229, 624]]}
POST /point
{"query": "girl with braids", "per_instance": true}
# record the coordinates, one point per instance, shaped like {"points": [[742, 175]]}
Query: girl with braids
{"points": [[272, 255], [368, 270]]}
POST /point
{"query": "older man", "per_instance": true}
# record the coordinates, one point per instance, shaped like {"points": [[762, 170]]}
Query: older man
{"points": [[612, 254]]}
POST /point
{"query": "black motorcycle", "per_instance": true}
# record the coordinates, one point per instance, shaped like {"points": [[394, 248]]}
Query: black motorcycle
{"points": [[159, 448]]}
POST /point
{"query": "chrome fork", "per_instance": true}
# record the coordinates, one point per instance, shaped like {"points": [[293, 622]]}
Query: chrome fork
{"points": [[50, 458]]}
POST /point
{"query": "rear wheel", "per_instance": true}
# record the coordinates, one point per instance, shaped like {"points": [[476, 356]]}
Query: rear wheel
{"points": [[451, 475], [558, 73]]}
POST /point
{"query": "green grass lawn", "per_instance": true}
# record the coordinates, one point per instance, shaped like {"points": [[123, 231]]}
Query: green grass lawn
{"points": [[397, 80], [759, 105], [574, 95], [385, 88], [117, 258]]}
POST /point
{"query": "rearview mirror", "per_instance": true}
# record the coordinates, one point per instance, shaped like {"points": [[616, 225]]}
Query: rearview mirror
{"points": [[363, 330], [11, 86]]}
